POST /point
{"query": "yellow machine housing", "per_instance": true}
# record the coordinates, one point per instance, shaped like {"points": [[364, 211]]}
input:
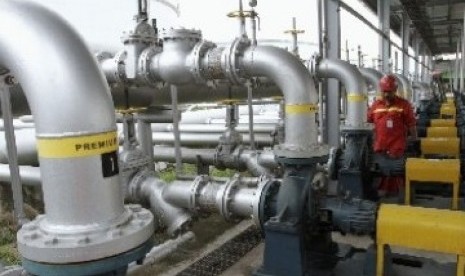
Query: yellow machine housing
{"points": [[441, 132], [420, 228], [443, 123], [443, 171], [444, 146]]}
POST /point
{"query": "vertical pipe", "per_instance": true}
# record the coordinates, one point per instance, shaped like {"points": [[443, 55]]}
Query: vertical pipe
{"points": [[142, 6], [144, 130], [462, 63], [333, 31], [360, 57], [457, 66], [249, 104], [254, 28], [16, 185], [384, 9], [405, 32], [295, 49], [417, 56], [347, 51], [177, 134], [241, 20], [396, 62]]}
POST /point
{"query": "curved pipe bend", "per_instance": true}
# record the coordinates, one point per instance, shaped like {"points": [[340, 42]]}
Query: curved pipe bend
{"points": [[406, 91], [357, 93], [298, 88], [372, 77]]}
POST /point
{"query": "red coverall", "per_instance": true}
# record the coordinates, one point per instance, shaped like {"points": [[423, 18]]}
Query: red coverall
{"points": [[391, 125]]}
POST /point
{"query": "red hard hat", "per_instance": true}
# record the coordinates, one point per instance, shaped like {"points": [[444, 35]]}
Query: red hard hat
{"points": [[388, 83]]}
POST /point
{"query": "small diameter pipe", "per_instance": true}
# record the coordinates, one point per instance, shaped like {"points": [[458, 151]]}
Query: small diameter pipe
{"points": [[250, 106], [161, 251], [12, 155], [176, 132]]}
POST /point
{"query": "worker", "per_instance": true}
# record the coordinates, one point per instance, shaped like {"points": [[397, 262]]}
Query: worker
{"points": [[393, 120]]}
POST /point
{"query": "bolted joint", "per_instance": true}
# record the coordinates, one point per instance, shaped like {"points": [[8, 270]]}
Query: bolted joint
{"points": [[113, 66], [144, 72], [230, 59], [195, 61]]}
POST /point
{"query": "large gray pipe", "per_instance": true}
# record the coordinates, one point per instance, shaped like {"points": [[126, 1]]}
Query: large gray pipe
{"points": [[298, 88], [71, 104], [30, 176], [406, 91], [206, 139], [355, 85], [213, 128], [372, 77]]}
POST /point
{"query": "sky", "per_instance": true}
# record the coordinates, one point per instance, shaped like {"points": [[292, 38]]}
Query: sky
{"points": [[101, 23]]}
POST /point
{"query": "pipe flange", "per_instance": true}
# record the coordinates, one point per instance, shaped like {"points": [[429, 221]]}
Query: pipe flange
{"points": [[226, 197], [145, 60], [195, 60], [119, 60], [197, 185], [41, 241], [230, 59], [262, 205], [101, 56]]}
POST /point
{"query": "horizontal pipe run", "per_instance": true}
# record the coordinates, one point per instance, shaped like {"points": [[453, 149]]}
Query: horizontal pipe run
{"points": [[212, 128], [205, 139], [191, 156], [30, 176]]}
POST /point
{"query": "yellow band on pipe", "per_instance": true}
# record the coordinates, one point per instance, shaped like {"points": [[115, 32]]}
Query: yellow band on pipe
{"points": [[355, 97], [301, 108], [77, 146]]}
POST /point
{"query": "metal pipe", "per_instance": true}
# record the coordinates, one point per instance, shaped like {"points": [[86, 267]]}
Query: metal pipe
{"points": [[462, 64], [355, 86], [297, 87], [250, 107], [30, 176], [145, 186], [144, 135], [206, 139], [191, 156], [12, 154], [213, 128], [65, 116], [457, 66], [161, 251], [372, 77], [176, 133], [406, 86], [257, 163], [231, 199]]}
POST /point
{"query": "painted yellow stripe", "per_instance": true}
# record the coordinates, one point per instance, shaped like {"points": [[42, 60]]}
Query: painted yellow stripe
{"points": [[301, 108], [355, 97], [77, 146]]}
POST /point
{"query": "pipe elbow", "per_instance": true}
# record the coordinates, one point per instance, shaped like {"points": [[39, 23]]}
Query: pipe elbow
{"points": [[347, 73], [287, 71], [70, 79]]}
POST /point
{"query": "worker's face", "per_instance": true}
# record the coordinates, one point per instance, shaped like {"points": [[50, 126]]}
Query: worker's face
{"points": [[388, 96]]}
